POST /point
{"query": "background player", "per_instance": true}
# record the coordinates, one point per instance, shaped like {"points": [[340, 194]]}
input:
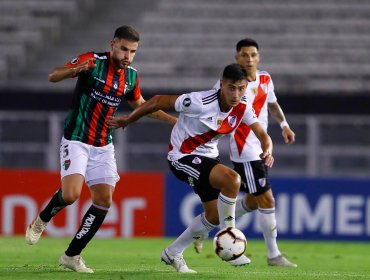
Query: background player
{"points": [[245, 150], [193, 156], [86, 151]]}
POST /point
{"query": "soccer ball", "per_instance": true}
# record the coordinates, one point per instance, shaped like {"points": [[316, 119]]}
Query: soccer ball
{"points": [[229, 243]]}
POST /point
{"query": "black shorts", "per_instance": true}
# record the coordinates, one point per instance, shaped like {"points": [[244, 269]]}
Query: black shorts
{"points": [[195, 170], [254, 176]]}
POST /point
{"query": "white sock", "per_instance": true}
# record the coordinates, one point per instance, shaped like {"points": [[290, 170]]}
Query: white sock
{"points": [[226, 211], [267, 221], [198, 228], [241, 208]]}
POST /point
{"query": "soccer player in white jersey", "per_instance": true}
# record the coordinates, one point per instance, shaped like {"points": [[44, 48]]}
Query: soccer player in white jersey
{"points": [[193, 154], [245, 149]]}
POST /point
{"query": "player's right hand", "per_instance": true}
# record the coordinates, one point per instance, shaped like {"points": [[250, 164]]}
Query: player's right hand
{"points": [[116, 122]]}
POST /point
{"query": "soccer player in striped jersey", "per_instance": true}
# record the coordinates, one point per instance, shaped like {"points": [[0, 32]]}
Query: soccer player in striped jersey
{"points": [[204, 117], [86, 150], [245, 150]]}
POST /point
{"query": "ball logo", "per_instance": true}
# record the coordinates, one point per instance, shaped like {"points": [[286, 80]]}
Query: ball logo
{"points": [[186, 102]]}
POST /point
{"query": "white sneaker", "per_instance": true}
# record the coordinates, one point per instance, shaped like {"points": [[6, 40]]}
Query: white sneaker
{"points": [[34, 230], [280, 261], [242, 260], [177, 262], [75, 263]]}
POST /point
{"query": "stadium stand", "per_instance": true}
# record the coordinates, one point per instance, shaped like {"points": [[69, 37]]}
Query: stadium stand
{"points": [[315, 46]]}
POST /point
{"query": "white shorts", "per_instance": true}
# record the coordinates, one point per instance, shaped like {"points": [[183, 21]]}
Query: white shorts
{"points": [[96, 164]]}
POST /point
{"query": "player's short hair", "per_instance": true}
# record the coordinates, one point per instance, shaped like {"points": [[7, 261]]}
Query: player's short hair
{"points": [[247, 42], [127, 32], [234, 72]]}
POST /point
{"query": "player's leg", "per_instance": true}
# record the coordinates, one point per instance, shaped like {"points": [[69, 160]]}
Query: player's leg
{"points": [[227, 181], [259, 196], [73, 159], [94, 217], [101, 178]]}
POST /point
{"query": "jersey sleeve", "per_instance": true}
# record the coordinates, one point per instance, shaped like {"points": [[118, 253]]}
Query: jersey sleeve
{"points": [[79, 59], [249, 117], [189, 104], [271, 97]]}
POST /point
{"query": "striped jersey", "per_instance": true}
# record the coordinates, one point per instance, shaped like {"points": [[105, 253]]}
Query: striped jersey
{"points": [[201, 123], [97, 95], [244, 144]]}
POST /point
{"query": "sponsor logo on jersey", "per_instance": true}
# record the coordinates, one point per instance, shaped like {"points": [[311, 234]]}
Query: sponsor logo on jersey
{"points": [[262, 182], [232, 121], [186, 102], [67, 164], [210, 119], [197, 160]]}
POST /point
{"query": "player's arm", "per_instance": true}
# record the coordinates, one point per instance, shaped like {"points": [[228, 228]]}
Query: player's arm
{"points": [[70, 71], [278, 114], [158, 115], [157, 102], [266, 143]]}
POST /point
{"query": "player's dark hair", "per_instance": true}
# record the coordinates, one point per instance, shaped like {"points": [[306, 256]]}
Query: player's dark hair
{"points": [[128, 33], [247, 42], [234, 72]]}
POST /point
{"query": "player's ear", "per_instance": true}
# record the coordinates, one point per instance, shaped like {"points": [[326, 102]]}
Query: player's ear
{"points": [[111, 44]]}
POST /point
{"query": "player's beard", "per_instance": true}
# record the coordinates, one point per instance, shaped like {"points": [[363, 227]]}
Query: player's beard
{"points": [[120, 63]]}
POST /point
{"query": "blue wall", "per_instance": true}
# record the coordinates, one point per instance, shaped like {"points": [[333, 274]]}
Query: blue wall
{"points": [[320, 209]]}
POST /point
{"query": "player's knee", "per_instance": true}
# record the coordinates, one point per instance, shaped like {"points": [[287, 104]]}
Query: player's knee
{"points": [[70, 197], [232, 181], [267, 200], [103, 200]]}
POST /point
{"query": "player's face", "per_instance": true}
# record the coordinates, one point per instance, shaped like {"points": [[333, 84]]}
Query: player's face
{"points": [[249, 58], [122, 52], [231, 93]]}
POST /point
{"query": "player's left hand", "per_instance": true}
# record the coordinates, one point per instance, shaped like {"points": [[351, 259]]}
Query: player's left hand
{"points": [[268, 158], [116, 122], [288, 135]]}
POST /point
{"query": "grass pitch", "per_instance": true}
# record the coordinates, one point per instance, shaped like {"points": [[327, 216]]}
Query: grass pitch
{"points": [[140, 259]]}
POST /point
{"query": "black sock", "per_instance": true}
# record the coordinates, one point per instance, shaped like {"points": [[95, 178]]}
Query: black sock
{"points": [[55, 204], [91, 222]]}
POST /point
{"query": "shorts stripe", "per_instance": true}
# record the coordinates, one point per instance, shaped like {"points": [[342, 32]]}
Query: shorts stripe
{"points": [[186, 169], [250, 177]]}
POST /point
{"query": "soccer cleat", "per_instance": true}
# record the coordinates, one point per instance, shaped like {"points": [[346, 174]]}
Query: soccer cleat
{"points": [[177, 262], [280, 261], [75, 263], [242, 260], [34, 230]]}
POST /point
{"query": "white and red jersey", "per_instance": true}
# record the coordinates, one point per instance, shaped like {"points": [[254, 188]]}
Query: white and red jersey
{"points": [[244, 144], [201, 123]]}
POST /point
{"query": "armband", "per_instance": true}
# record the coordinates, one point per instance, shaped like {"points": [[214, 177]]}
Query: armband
{"points": [[284, 124]]}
